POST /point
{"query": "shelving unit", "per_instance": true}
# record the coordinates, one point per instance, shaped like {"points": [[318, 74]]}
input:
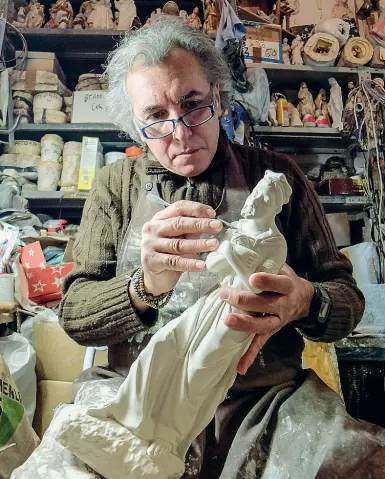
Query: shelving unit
{"points": [[81, 51]]}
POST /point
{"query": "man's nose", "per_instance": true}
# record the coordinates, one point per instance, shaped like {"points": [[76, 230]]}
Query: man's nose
{"points": [[182, 132]]}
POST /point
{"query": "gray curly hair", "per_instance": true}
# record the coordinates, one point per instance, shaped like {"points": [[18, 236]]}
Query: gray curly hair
{"points": [[152, 44]]}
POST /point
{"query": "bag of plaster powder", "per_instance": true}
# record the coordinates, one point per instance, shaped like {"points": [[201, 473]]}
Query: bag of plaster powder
{"points": [[17, 438]]}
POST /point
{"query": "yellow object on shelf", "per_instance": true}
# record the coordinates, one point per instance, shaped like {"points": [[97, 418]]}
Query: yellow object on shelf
{"points": [[283, 111]]}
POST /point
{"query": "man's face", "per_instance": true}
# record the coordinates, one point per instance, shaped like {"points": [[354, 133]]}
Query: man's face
{"points": [[168, 91]]}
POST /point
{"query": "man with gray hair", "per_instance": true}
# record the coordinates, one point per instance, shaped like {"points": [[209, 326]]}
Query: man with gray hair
{"points": [[138, 267]]}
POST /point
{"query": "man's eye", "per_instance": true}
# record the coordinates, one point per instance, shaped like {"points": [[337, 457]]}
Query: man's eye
{"points": [[190, 105], [160, 115]]}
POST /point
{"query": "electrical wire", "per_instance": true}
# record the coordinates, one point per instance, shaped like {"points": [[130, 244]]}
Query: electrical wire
{"points": [[367, 125], [24, 51]]}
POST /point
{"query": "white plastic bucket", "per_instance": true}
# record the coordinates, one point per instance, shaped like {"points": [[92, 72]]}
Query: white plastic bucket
{"points": [[7, 288], [113, 156]]}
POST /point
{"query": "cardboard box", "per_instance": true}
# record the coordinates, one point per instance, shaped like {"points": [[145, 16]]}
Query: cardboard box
{"points": [[58, 357], [44, 282], [42, 61], [263, 44], [91, 161], [49, 395], [90, 107]]}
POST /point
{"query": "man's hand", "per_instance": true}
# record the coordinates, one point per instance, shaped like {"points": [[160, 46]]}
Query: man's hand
{"points": [[171, 241], [286, 297]]}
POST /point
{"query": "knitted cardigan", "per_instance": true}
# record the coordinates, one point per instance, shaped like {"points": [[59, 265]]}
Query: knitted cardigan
{"points": [[96, 308]]}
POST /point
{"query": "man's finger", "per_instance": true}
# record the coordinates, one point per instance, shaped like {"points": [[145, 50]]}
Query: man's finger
{"points": [[250, 302], [275, 283], [253, 324], [186, 208], [249, 357], [180, 246]]}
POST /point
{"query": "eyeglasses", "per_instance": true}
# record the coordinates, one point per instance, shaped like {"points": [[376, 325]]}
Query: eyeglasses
{"points": [[163, 128]]}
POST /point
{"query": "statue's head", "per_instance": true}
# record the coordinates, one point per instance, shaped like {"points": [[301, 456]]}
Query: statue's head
{"points": [[268, 197]]}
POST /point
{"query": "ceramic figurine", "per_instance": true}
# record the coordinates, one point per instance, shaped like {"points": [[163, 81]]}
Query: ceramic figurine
{"points": [[20, 20], [294, 116], [321, 109], [163, 409], [210, 25], [305, 93], [101, 15], [80, 22], [35, 15], [61, 15], [306, 111], [297, 49], [194, 20], [335, 105], [272, 117], [126, 10], [286, 52], [183, 15], [171, 8], [341, 10]]}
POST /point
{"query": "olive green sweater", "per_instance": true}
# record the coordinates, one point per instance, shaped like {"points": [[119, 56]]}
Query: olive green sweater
{"points": [[96, 308]]}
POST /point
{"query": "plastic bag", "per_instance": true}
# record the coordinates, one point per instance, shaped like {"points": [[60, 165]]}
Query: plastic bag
{"points": [[322, 359], [17, 438], [20, 358]]}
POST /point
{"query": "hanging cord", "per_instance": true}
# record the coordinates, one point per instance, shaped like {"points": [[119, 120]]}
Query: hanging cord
{"points": [[366, 123], [24, 51]]}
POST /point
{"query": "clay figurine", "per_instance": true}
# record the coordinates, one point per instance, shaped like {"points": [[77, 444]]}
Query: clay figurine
{"points": [[335, 105], [126, 10], [171, 8], [297, 49], [210, 25], [35, 15], [160, 410], [294, 116], [101, 15], [183, 15], [20, 20], [61, 15], [80, 22], [272, 117], [321, 112], [194, 20], [341, 10], [305, 93], [286, 52]]}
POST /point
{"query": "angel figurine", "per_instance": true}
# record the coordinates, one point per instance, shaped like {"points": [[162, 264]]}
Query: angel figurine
{"points": [[177, 382]]}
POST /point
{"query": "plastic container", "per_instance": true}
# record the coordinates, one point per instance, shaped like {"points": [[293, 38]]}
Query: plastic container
{"points": [[54, 226], [7, 288], [134, 151], [113, 156]]}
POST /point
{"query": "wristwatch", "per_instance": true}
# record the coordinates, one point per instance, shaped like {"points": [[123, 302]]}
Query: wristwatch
{"points": [[155, 302], [320, 305]]}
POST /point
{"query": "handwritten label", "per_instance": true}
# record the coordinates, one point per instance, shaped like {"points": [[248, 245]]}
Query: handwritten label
{"points": [[90, 107]]}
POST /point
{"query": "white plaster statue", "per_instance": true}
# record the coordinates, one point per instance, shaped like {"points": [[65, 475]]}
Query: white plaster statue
{"points": [[286, 52], [341, 10], [127, 13], [335, 105], [193, 20], [297, 49], [175, 386], [101, 15]]}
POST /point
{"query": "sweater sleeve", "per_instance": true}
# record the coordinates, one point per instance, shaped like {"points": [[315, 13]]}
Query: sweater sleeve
{"points": [[96, 308], [314, 255]]}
